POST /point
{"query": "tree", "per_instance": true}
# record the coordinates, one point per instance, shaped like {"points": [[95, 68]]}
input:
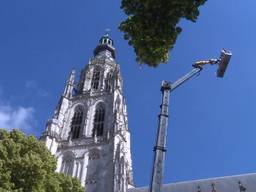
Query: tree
{"points": [[152, 26], [27, 165]]}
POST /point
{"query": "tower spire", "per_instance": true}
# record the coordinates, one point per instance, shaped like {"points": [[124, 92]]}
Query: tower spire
{"points": [[105, 44], [69, 85]]}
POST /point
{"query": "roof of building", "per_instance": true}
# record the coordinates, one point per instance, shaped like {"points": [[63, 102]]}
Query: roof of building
{"points": [[237, 183]]}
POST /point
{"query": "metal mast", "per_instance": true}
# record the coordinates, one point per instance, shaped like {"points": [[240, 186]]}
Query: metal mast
{"points": [[166, 89], [160, 147]]}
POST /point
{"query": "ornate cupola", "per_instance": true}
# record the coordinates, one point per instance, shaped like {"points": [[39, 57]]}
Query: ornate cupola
{"points": [[105, 44]]}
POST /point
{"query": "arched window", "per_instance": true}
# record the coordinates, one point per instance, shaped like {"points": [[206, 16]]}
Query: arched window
{"points": [[95, 79], [67, 165], [76, 123], [108, 82], [99, 117]]}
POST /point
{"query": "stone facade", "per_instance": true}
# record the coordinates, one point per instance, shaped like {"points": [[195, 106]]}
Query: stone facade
{"points": [[88, 132]]}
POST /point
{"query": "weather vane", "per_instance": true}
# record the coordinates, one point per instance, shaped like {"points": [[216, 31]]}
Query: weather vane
{"points": [[107, 31]]}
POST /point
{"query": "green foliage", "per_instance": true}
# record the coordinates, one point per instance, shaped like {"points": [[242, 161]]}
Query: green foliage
{"points": [[151, 27], [26, 165]]}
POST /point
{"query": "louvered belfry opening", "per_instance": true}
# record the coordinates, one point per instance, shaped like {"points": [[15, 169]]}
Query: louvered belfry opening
{"points": [[99, 121], [95, 79], [77, 123], [108, 82]]}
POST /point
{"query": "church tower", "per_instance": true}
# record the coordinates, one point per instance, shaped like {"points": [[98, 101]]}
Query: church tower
{"points": [[88, 132]]}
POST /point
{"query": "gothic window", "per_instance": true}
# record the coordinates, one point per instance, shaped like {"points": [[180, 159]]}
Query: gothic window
{"points": [[76, 123], [99, 121], [95, 79], [67, 166], [108, 82]]}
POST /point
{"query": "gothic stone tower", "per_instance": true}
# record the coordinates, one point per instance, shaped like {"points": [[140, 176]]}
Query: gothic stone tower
{"points": [[88, 133]]}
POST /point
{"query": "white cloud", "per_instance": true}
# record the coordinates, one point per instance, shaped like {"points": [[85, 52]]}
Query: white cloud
{"points": [[16, 117]]}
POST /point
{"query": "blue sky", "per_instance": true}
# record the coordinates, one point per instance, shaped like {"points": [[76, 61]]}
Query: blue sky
{"points": [[212, 127]]}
